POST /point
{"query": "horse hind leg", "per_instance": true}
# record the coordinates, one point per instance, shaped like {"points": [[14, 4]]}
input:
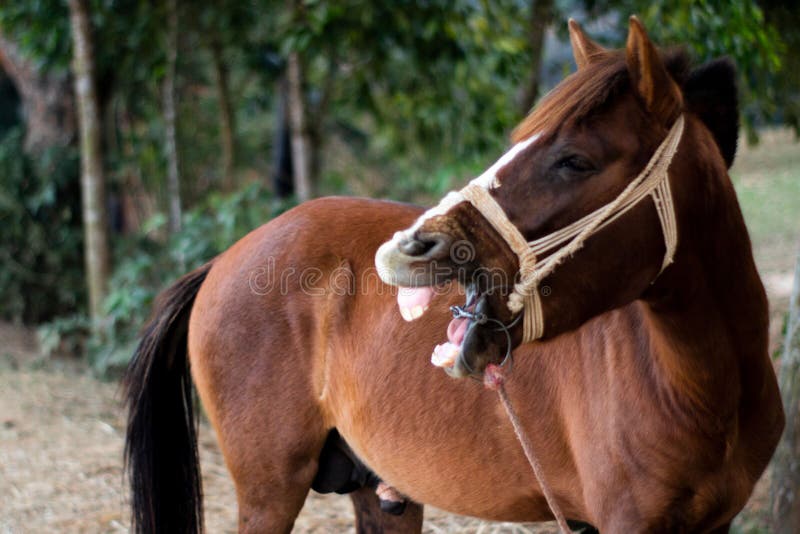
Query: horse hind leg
{"points": [[271, 490], [370, 519], [271, 444]]}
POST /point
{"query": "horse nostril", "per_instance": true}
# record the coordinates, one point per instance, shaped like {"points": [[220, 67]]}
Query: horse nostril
{"points": [[425, 246], [415, 247]]}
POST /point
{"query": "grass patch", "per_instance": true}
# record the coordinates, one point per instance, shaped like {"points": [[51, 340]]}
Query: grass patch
{"points": [[767, 181]]}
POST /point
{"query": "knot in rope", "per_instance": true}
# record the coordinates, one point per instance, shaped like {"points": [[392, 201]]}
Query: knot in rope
{"points": [[493, 377]]}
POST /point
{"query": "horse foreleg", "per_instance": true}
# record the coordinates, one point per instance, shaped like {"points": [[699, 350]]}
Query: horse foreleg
{"points": [[370, 519]]}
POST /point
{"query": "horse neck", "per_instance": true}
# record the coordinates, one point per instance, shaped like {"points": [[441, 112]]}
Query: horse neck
{"points": [[708, 311]]}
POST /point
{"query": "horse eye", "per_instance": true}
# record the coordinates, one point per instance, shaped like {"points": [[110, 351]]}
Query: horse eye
{"points": [[575, 163]]}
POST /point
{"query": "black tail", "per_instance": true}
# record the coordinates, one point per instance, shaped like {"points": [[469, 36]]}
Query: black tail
{"points": [[161, 443]]}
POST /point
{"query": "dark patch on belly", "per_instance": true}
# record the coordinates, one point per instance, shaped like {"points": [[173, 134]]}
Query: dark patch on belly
{"points": [[340, 470]]}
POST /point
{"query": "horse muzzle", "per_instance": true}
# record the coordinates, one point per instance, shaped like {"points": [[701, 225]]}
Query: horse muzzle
{"points": [[485, 339], [419, 260]]}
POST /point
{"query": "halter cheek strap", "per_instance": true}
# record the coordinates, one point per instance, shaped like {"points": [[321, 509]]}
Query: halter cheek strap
{"points": [[652, 181]]}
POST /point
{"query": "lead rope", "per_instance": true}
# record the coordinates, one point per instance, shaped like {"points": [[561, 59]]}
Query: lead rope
{"points": [[494, 379]]}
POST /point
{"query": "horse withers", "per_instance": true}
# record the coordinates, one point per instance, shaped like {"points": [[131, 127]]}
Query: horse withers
{"points": [[641, 372]]}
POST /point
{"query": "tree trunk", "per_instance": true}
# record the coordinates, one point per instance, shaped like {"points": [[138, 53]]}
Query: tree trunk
{"points": [[227, 120], [316, 117], [282, 171], [301, 142], [542, 13], [786, 463], [92, 180], [47, 102], [170, 130]]}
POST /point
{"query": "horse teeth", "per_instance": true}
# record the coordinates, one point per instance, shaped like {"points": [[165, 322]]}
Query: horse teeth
{"points": [[409, 314], [445, 355]]}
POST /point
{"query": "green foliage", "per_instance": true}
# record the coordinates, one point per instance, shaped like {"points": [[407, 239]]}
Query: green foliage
{"points": [[710, 29], [41, 242], [439, 77], [151, 263], [128, 38], [124, 46], [64, 335], [785, 17], [737, 29], [420, 95], [41, 28]]}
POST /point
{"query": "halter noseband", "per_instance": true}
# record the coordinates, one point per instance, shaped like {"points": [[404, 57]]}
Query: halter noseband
{"points": [[653, 181]]}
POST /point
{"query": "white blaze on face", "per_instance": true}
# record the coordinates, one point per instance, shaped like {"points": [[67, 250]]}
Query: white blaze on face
{"points": [[413, 302], [487, 180]]}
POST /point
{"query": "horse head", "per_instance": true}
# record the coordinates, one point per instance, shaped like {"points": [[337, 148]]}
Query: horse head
{"points": [[516, 237]]}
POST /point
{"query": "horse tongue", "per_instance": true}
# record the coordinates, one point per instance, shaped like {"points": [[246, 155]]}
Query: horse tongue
{"points": [[413, 301], [456, 330], [445, 355]]}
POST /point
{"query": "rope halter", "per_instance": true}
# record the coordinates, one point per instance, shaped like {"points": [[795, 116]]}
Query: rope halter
{"points": [[653, 181]]}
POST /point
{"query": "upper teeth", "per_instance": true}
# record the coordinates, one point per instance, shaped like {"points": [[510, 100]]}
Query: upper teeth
{"points": [[409, 314]]}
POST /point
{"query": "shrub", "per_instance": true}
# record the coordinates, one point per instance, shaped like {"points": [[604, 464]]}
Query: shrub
{"points": [[41, 240], [147, 265]]}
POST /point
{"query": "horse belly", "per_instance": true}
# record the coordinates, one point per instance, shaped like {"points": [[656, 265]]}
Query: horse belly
{"points": [[440, 441], [474, 485]]}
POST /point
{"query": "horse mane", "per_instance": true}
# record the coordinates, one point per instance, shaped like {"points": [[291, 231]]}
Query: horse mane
{"points": [[709, 91], [590, 88]]}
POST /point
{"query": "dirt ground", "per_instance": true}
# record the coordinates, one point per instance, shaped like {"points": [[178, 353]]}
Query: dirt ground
{"points": [[61, 440], [61, 431]]}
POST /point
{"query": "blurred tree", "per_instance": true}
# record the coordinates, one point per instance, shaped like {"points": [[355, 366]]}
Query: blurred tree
{"points": [[541, 17], [92, 178], [40, 216], [785, 17], [415, 93], [298, 126], [224, 24], [40, 231], [170, 131], [10, 104], [425, 78], [227, 118], [785, 466], [282, 171], [46, 99]]}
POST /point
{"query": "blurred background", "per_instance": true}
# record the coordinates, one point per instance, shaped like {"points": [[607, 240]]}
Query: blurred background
{"points": [[202, 120]]}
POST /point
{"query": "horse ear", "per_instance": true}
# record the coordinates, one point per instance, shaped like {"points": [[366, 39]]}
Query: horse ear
{"points": [[660, 93], [584, 50], [711, 94]]}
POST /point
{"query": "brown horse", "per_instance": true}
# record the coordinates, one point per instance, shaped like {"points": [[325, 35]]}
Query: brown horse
{"points": [[649, 396]]}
